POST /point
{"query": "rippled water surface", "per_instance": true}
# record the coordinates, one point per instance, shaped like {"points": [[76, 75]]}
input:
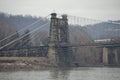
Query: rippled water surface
{"points": [[81, 73]]}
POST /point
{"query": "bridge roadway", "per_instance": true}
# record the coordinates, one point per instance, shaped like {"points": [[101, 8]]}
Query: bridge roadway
{"points": [[107, 44], [35, 51], [43, 50]]}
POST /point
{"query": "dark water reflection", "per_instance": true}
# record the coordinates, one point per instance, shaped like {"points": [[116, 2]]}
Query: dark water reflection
{"points": [[82, 73], [60, 73]]}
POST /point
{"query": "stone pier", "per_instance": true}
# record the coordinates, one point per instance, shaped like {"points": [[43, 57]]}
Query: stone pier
{"points": [[110, 56], [105, 56]]}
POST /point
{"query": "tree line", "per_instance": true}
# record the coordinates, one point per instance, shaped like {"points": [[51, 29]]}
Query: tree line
{"points": [[11, 24]]}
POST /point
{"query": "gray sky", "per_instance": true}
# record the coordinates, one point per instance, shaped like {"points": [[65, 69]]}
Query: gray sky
{"points": [[96, 9]]}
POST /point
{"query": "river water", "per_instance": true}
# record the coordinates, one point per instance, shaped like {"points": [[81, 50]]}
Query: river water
{"points": [[81, 73]]}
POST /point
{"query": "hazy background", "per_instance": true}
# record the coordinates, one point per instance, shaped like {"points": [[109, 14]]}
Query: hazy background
{"points": [[96, 9]]}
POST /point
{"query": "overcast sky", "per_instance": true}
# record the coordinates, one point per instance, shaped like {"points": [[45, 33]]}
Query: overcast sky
{"points": [[96, 9]]}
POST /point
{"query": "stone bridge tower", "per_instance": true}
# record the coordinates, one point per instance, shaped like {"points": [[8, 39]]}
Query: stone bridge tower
{"points": [[58, 52], [52, 55]]}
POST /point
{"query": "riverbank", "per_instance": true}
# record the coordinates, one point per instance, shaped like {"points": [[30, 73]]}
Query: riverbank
{"points": [[13, 63], [29, 63]]}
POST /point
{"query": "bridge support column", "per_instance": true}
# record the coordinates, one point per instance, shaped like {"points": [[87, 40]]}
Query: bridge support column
{"points": [[116, 56], [58, 51], [52, 55], [105, 56]]}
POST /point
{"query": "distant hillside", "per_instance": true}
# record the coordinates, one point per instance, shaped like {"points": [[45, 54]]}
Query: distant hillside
{"points": [[81, 34], [76, 32], [104, 30], [21, 21]]}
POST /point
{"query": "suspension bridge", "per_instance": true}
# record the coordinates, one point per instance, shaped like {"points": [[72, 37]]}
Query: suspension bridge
{"points": [[62, 38]]}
